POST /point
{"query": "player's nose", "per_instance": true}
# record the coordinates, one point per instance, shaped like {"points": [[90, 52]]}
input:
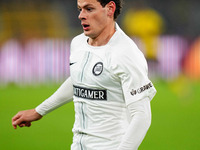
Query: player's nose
{"points": [[82, 15]]}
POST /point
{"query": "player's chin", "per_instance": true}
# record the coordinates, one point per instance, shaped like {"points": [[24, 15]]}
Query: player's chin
{"points": [[90, 35], [87, 33]]}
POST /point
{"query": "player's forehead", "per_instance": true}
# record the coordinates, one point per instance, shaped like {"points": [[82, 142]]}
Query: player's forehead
{"points": [[84, 3]]}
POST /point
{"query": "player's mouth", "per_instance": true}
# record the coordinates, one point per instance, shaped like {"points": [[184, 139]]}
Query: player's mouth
{"points": [[85, 26]]}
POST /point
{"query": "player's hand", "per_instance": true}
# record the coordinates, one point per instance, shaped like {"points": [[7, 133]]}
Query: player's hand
{"points": [[24, 118]]}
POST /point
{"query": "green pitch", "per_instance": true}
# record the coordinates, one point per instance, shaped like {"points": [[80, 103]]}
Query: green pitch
{"points": [[175, 120]]}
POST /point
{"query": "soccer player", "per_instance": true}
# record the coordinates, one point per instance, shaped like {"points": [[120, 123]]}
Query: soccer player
{"points": [[108, 83]]}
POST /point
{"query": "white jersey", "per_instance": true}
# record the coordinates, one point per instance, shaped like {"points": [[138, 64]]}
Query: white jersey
{"points": [[106, 79]]}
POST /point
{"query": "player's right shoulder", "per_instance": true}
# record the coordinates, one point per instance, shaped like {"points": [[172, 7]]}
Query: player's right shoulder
{"points": [[78, 38], [77, 42]]}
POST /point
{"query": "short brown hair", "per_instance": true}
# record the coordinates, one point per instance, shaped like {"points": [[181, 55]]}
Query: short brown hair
{"points": [[118, 4]]}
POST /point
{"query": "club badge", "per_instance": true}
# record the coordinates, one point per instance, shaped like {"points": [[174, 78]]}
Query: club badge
{"points": [[97, 69]]}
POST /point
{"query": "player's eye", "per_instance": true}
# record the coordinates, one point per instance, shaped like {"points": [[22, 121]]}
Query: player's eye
{"points": [[89, 9], [79, 9]]}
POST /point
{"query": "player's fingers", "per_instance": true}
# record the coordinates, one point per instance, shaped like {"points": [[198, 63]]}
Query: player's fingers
{"points": [[14, 126], [18, 121], [21, 125], [24, 124], [28, 124], [17, 116]]}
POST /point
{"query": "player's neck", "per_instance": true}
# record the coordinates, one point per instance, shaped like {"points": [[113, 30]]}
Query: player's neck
{"points": [[104, 37]]}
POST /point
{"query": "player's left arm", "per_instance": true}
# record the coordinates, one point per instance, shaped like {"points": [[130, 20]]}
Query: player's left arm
{"points": [[140, 112], [132, 70]]}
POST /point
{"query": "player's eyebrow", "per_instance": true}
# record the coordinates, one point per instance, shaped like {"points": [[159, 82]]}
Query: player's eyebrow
{"points": [[85, 6]]}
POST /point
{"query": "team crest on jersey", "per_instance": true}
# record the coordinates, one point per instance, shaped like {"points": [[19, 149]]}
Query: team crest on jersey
{"points": [[97, 69]]}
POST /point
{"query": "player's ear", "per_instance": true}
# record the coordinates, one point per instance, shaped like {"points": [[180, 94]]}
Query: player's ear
{"points": [[111, 7]]}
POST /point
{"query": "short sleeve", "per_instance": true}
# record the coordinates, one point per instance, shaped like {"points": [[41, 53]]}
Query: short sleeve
{"points": [[130, 67]]}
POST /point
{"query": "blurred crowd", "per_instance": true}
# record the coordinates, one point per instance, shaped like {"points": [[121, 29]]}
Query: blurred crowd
{"points": [[35, 37]]}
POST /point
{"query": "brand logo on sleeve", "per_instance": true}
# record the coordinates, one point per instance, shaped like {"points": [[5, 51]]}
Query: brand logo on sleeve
{"points": [[91, 94], [72, 63], [141, 89], [97, 69]]}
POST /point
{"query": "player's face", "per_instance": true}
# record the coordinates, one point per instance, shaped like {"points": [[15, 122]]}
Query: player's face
{"points": [[93, 17]]}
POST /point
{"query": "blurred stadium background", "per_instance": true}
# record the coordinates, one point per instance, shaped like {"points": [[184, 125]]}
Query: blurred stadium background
{"points": [[34, 60]]}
